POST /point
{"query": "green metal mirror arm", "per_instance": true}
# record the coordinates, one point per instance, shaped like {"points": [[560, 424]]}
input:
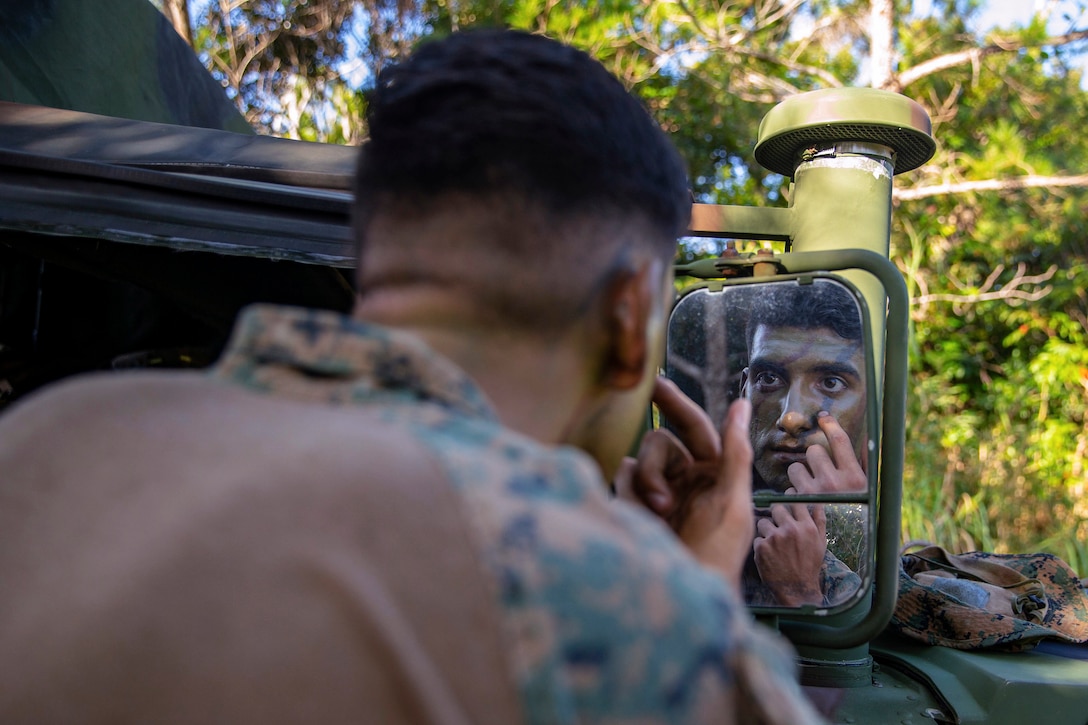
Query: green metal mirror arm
{"points": [[766, 223]]}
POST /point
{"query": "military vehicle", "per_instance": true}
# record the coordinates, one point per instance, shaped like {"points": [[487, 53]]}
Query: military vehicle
{"points": [[841, 148], [130, 237]]}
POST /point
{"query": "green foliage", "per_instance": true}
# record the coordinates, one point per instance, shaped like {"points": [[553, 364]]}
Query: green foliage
{"points": [[998, 409], [282, 62], [999, 402]]}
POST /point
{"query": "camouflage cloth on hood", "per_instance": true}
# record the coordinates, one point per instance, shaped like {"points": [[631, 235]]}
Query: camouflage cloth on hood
{"points": [[981, 600]]}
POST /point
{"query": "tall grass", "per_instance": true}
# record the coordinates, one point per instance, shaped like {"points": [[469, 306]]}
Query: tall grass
{"points": [[1007, 487]]}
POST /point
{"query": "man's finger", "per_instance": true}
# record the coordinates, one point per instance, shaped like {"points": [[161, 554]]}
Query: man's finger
{"points": [[623, 483], [717, 523], [691, 423], [803, 480], [802, 512], [819, 516], [735, 439], [837, 472], [736, 458], [842, 450], [659, 457], [818, 459], [782, 514]]}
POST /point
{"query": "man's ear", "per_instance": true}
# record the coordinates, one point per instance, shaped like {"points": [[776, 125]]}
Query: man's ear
{"points": [[631, 305]]}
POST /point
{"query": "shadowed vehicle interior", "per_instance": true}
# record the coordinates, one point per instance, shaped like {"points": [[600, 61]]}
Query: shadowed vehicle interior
{"points": [[130, 243]]}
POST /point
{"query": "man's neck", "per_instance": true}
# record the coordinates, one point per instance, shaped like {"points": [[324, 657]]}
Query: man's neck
{"points": [[537, 386]]}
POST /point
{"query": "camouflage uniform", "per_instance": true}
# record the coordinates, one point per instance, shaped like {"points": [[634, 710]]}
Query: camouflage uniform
{"points": [[981, 600], [605, 616]]}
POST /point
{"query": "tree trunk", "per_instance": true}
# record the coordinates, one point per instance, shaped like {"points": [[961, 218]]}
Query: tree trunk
{"points": [[177, 12], [881, 44]]}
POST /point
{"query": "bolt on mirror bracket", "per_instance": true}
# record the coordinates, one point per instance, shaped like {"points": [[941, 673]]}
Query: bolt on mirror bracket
{"points": [[733, 264]]}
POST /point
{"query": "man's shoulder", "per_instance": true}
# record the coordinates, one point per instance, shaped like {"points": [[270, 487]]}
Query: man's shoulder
{"points": [[189, 425], [81, 400]]}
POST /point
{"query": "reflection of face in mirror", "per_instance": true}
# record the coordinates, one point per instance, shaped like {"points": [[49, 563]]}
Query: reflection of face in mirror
{"points": [[796, 350], [806, 356], [806, 380]]}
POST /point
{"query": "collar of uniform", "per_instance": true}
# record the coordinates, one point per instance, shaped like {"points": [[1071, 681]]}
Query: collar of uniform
{"points": [[322, 356]]}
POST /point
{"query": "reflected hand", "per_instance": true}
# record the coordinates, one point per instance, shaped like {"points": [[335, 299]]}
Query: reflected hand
{"points": [[836, 472], [789, 550], [699, 481]]}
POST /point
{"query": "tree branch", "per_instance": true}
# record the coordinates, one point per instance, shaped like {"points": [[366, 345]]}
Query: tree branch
{"points": [[1013, 291], [1010, 184], [826, 76], [974, 55], [177, 12]]}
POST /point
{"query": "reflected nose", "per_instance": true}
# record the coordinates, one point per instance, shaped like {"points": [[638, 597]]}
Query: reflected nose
{"points": [[794, 423], [798, 415]]}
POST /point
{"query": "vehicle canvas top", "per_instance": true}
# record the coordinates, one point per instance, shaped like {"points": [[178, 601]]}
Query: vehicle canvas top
{"points": [[170, 147], [78, 174], [115, 57]]}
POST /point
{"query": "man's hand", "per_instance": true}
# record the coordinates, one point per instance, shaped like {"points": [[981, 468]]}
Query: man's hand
{"points": [[789, 552], [699, 481], [837, 472]]}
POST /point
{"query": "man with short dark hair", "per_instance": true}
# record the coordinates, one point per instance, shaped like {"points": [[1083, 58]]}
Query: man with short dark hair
{"points": [[806, 357], [806, 381], [401, 516]]}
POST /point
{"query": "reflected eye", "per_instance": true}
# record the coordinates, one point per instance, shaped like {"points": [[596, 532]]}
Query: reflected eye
{"points": [[766, 380], [833, 384]]}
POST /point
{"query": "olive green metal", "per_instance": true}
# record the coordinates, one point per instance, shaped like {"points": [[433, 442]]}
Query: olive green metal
{"points": [[841, 147], [891, 696], [843, 200], [844, 114], [848, 668], [741, 222], [990, 687]]}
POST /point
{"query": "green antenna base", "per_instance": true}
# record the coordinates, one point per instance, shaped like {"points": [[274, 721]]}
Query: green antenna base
{"points": [[835, 115]]}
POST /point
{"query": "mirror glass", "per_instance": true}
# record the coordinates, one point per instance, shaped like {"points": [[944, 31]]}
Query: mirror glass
{"points": [[797, 349]]}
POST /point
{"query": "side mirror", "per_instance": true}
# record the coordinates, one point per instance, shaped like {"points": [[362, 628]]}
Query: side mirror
{"points": [[796, 348], [797, 343], [840, 148]]}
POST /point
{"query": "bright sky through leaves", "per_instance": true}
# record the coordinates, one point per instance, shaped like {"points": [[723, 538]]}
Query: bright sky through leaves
{"points": [[1065, 15]]}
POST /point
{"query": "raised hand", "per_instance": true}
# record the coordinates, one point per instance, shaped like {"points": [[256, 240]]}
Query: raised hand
{"points": [[698, 480], [789, 549]]}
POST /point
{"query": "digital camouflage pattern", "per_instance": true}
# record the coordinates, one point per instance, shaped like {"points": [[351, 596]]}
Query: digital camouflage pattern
{"points": [[981, 600], [606, 617]]}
